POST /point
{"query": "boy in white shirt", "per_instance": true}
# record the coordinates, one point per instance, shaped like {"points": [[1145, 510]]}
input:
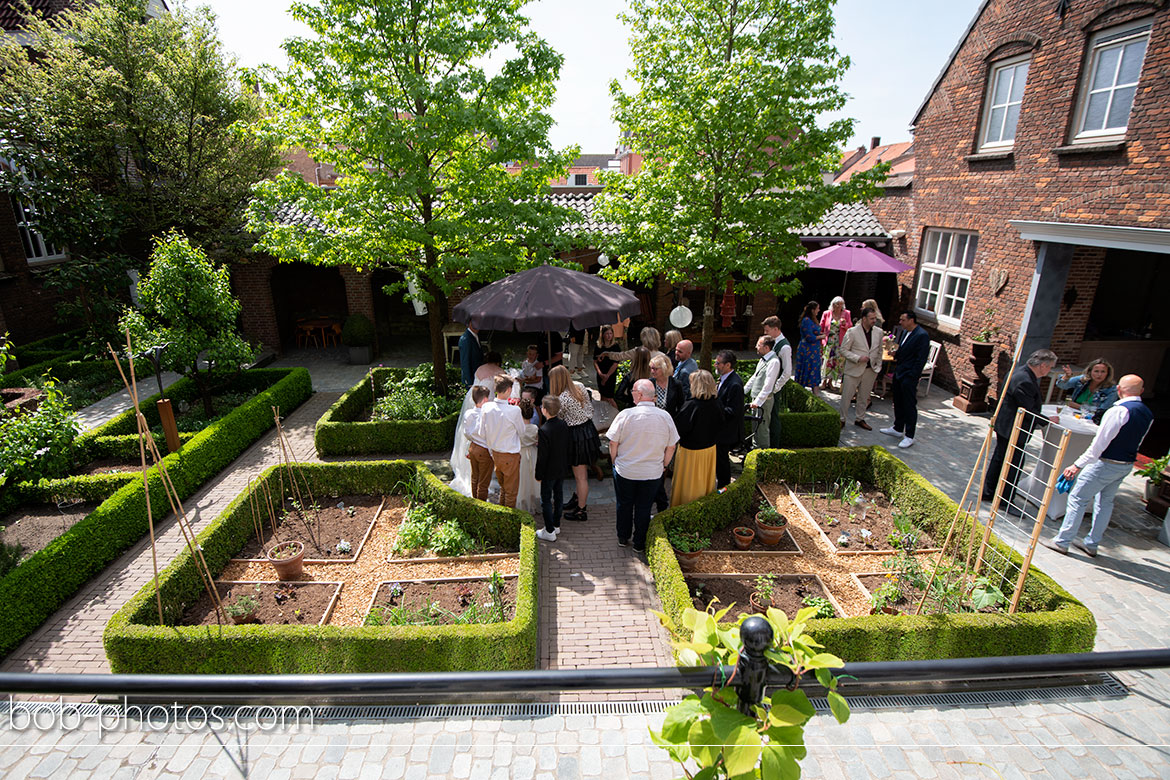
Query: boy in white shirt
{"points": [[477, 451]]}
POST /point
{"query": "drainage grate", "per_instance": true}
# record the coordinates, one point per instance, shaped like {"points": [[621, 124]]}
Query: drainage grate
{"points": [[1107, 686]]}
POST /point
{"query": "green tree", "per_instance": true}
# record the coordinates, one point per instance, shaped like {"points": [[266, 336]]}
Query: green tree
{"points": [[186, 303], [728, 93], [122, 127], [399, 97]]}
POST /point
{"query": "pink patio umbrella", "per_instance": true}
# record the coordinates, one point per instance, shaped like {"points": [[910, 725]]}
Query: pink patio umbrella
{"points": [[856, 257]]}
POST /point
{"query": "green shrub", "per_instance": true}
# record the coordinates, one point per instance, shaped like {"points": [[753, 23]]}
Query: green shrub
{"points": [[135, 643], [39, 443], [339, 431], [1049, 621], [38, 586], [357, 331]]}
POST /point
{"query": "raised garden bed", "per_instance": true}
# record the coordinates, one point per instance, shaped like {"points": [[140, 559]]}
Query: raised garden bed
{"points": [[34, 525], [851, 529], [136, 643], [321, 529], [275, 603], [722, 540], [1049, 620], [38, 586], [442, 602], [346, 428], [789, 592]]}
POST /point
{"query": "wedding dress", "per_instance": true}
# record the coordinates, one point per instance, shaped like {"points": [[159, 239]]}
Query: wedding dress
{"points": [[528, 493], [460, 463]]}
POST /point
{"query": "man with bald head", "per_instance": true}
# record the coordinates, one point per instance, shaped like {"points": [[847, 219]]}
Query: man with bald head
{"points": [[641, 442], [684, 365], [1101, 469]]}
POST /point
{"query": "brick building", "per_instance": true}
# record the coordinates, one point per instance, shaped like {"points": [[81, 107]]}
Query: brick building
{"points": [[1041, 188]]}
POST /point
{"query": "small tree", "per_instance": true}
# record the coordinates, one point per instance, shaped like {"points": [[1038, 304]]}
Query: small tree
{"points": [[725, 114], [186, 303]]}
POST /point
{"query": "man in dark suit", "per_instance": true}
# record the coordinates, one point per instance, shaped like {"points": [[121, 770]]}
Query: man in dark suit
{"points": [[909, 360], [1023, 392], [470, 355], [552, 464], [730, 398]]}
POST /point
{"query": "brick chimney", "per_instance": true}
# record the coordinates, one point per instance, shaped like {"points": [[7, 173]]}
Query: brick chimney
{"points": [[875, 142]]}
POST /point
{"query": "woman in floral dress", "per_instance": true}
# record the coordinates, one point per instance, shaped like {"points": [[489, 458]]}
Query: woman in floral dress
{"points": [[831, 368], [808, 352]]}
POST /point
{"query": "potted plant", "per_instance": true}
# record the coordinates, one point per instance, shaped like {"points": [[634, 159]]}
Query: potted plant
{"points": [[761, 599], [743, 537], [242, 610], [687, 546], [287, 558], [770, 525], [358, 335], [1152, 471]]}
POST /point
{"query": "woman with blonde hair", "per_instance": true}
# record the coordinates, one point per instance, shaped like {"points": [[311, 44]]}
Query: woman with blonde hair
{"points": [[670, 341], [1095, 387], [584, 443], [651, 340], [639, 369], [668, 392], [698, 422], [831, 365], [870, 303]]}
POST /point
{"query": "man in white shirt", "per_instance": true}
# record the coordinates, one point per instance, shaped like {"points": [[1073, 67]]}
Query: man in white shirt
{"points": [[862, 350], [501, 426], [642, 440], [783, 350], [1100, 470], [477, 450], [761, 389]]}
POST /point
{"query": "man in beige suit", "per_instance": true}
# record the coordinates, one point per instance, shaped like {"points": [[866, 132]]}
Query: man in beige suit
{"points": [[862, 350]]}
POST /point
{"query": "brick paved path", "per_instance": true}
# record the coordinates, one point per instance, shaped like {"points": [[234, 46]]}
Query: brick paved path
{"points": [[111, 406], [71, 640]]}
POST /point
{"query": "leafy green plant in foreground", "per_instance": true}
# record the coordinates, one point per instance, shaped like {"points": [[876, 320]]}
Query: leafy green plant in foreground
{"points": [[710, 733]]}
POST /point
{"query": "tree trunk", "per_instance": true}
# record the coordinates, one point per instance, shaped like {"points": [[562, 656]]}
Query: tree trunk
{"points": [[436, 316], [708, 327]]}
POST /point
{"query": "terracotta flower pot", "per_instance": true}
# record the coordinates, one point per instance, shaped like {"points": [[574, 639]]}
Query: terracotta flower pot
{"points": [[687, 560], [249, 617], [770, 534], [287, 558], [759, 603], [743, 537]]}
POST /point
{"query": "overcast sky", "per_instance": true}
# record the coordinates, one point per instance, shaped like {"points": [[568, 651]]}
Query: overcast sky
{"points": [[897, 48]]}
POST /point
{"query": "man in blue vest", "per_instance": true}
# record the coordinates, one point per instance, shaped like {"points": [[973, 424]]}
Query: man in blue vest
{"points": [[470, 355], [1101, 469]]}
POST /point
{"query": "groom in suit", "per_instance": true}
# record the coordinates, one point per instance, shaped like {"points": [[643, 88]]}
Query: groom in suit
{"points": [[470, 355], [730, 398], [862, 350], [909, 361]]}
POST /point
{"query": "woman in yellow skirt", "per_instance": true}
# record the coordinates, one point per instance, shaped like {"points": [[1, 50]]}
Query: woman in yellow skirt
{"points": [[697, 422]]}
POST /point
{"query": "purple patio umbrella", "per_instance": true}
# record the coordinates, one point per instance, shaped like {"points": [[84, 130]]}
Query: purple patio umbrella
{"points": [[547, 298], [856, 257]]}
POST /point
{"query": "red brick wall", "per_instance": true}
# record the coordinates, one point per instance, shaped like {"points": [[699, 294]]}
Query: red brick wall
{"points": [[1130, 186], [252, 286], [27, 310], [1083, 276]]}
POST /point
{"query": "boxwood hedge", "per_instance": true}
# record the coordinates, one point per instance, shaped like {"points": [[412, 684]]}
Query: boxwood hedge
{"points": [[1050, 620], [800, 418], [40, 585], [134, 641], [339, 433]]}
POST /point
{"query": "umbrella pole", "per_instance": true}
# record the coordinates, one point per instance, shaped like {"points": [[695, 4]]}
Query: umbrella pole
{"points": [[844, 284]]}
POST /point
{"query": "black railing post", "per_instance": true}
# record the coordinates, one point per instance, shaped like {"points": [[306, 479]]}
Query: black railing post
{"points": [[751, 673]]}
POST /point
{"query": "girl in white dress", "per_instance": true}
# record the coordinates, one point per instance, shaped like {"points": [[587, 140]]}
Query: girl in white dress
{"points": [[528, 494]]}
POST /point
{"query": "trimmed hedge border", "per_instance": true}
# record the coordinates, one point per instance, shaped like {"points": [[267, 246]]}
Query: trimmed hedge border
{"points": [[134, 643], [338, 433], [1054, 622], [36, 588], [803, 419]]}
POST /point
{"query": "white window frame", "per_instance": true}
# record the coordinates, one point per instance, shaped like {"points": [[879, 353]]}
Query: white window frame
{"points": [[37, 251], [1114, 38], [989, 106], [946, 260]]}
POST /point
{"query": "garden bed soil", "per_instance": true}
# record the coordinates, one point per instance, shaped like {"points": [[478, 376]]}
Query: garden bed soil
{"points": [[319, 530], [33, 526], [879, 520], [788, 594], [450, 596], [313, 599], [722, 539], [110, 466], [910, 594]]}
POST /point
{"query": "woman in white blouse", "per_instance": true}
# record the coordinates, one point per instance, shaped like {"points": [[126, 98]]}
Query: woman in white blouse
{"points": [[584, 443]]}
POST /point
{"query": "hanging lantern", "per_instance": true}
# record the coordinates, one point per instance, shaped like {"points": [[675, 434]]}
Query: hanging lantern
{"points": [[727, 307], [681, 316]]}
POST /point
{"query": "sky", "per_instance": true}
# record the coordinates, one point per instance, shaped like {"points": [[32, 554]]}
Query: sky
{"points": [[897, 48]]}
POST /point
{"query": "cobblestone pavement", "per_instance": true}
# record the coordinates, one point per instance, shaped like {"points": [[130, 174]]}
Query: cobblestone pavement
{"points": [[1126, 586]]}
